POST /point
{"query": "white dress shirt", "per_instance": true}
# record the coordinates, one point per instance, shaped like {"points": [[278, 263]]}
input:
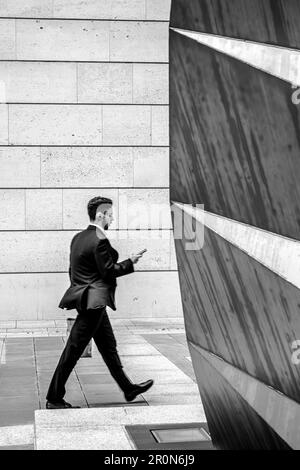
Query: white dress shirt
{"points": [[100, 228]]}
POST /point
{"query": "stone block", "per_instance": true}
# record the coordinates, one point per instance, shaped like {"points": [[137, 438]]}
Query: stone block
{"points": [[7, 39], [130, 415], [75, 201], [101, 9], [34, 251], [33, 296], [39, 82], [44, 209], [55, 125], [157, 243], [89, 167], [4, 124], [111, 437], [133, 299], [104, 83], [151, 167], [62, 40], [138, 42], [12, 209], [28, 9], [20, 167], [158, 10], [126, 125], [150, 84], [47, 251], [144, 209], [160, 125]]}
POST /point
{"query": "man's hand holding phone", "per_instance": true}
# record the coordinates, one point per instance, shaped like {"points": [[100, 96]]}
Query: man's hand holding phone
{"points": [[137, 257]]}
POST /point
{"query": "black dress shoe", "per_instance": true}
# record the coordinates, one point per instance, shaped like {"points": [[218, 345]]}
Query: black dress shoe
{"points": [[59, 405], [138, 389]]}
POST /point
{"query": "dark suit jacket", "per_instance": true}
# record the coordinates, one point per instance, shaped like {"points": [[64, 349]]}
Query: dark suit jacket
{"points": [[93, 272]]}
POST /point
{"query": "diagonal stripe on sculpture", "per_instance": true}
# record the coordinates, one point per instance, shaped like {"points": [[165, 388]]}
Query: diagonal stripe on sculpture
{"points": [[234, 137], [281, 62], [280, 254], [267, 21], [280, 412]]}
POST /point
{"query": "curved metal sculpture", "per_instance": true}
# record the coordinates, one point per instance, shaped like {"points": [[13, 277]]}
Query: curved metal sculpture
{"points": [[235, 148]]}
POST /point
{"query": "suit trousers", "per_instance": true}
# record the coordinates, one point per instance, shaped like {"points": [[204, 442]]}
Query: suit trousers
{"points": [[88, 324]]}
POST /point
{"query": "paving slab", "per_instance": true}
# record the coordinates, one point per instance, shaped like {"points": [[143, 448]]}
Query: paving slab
{"points": [[12, 417], [158, 400], [133, 339], [54, 353], [12, 448], [50, 341], [18, 347], [63, 429], [17, 390], [154, 362], [27, 334], [16, 435], [60, 323], [74, 395], [166, 320], [15, 380], [136, 403], [137, 349], [120, 322], [15, 361], [8, 371], [29, 401], [57, 331], [8, 324], [176, 389], [91, 418], [18, 352], [112, 437], [112, 401], [165, 414], [101, 389], [26, 324], [162, 376], [95, 379], [31, 361]]}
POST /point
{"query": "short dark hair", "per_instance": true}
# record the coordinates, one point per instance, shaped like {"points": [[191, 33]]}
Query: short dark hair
{"points": [[94, 203]]}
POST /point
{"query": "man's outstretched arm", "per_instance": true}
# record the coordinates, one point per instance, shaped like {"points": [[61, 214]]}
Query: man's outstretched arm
{"points": [[107, 268]]}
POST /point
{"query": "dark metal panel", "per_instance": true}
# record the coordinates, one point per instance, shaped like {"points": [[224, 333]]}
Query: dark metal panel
{"points": [[267, 21], [233, 424], [235, 138], [238, 309]]}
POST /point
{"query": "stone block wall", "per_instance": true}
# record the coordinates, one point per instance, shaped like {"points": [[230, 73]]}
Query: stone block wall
{"points": [[84, 112]]}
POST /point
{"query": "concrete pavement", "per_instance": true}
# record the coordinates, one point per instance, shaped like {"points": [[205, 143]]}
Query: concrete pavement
{"points": [[29, 351]]}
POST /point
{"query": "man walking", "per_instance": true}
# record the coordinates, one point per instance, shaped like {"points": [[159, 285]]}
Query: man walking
{"points": [[93, 272]]}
